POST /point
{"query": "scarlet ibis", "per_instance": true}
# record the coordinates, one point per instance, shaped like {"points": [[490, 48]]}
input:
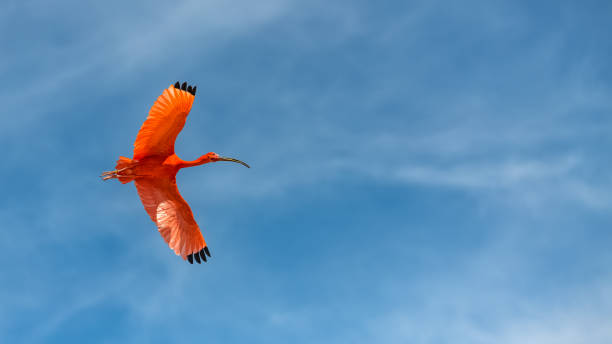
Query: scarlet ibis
{"points": [[154, 167]]}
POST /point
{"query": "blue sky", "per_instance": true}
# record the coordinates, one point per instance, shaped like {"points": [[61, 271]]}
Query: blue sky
{"points": [[422, 172]]}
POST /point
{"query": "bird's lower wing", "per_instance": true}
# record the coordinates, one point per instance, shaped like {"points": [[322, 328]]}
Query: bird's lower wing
{"points": [[174, 219]]}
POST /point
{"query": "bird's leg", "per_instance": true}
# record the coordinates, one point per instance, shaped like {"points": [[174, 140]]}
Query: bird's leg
{"points": [[111, 174], [117, 173], [108, 175]]}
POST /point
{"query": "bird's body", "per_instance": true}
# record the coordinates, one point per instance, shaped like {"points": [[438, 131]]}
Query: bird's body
{"points": [[154, 167]]}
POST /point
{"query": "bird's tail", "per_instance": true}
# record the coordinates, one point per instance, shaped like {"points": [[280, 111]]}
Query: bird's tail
{"points": [[121, 172]]}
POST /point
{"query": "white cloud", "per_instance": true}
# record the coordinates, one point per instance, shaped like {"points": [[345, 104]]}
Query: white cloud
{"points": [[116, 44], [487, 175], [498, 295]]}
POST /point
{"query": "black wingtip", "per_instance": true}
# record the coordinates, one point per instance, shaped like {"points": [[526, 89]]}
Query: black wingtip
{"points": [[185, 87], [207, 251], [190, 258], [203, 255], [197, 257]]}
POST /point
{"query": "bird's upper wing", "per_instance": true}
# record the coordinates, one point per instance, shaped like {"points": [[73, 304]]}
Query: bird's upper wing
{"points": [[166, 120], [174, 219]]}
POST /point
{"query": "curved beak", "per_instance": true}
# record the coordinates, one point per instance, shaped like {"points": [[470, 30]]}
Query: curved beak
{"points": [[222, 158]]}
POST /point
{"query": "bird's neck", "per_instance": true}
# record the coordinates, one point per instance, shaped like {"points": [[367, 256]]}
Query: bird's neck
{"points": [[197, 162]]}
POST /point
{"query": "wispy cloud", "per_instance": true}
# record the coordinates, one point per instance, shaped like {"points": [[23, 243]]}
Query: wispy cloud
{"points": [[114, 43]]}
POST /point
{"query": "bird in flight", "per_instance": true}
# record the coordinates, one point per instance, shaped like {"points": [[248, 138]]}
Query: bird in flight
{"points": [[154, 167]]}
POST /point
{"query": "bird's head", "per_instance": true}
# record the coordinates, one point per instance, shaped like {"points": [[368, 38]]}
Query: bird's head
{"points": [[214, 157]]}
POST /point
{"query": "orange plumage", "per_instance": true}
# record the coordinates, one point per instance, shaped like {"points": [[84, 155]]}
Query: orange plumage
{"points": [[154, 167]]}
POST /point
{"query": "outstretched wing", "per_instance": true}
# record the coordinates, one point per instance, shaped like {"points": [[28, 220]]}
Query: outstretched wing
{"points": [[174, 219], [166, 120]]}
